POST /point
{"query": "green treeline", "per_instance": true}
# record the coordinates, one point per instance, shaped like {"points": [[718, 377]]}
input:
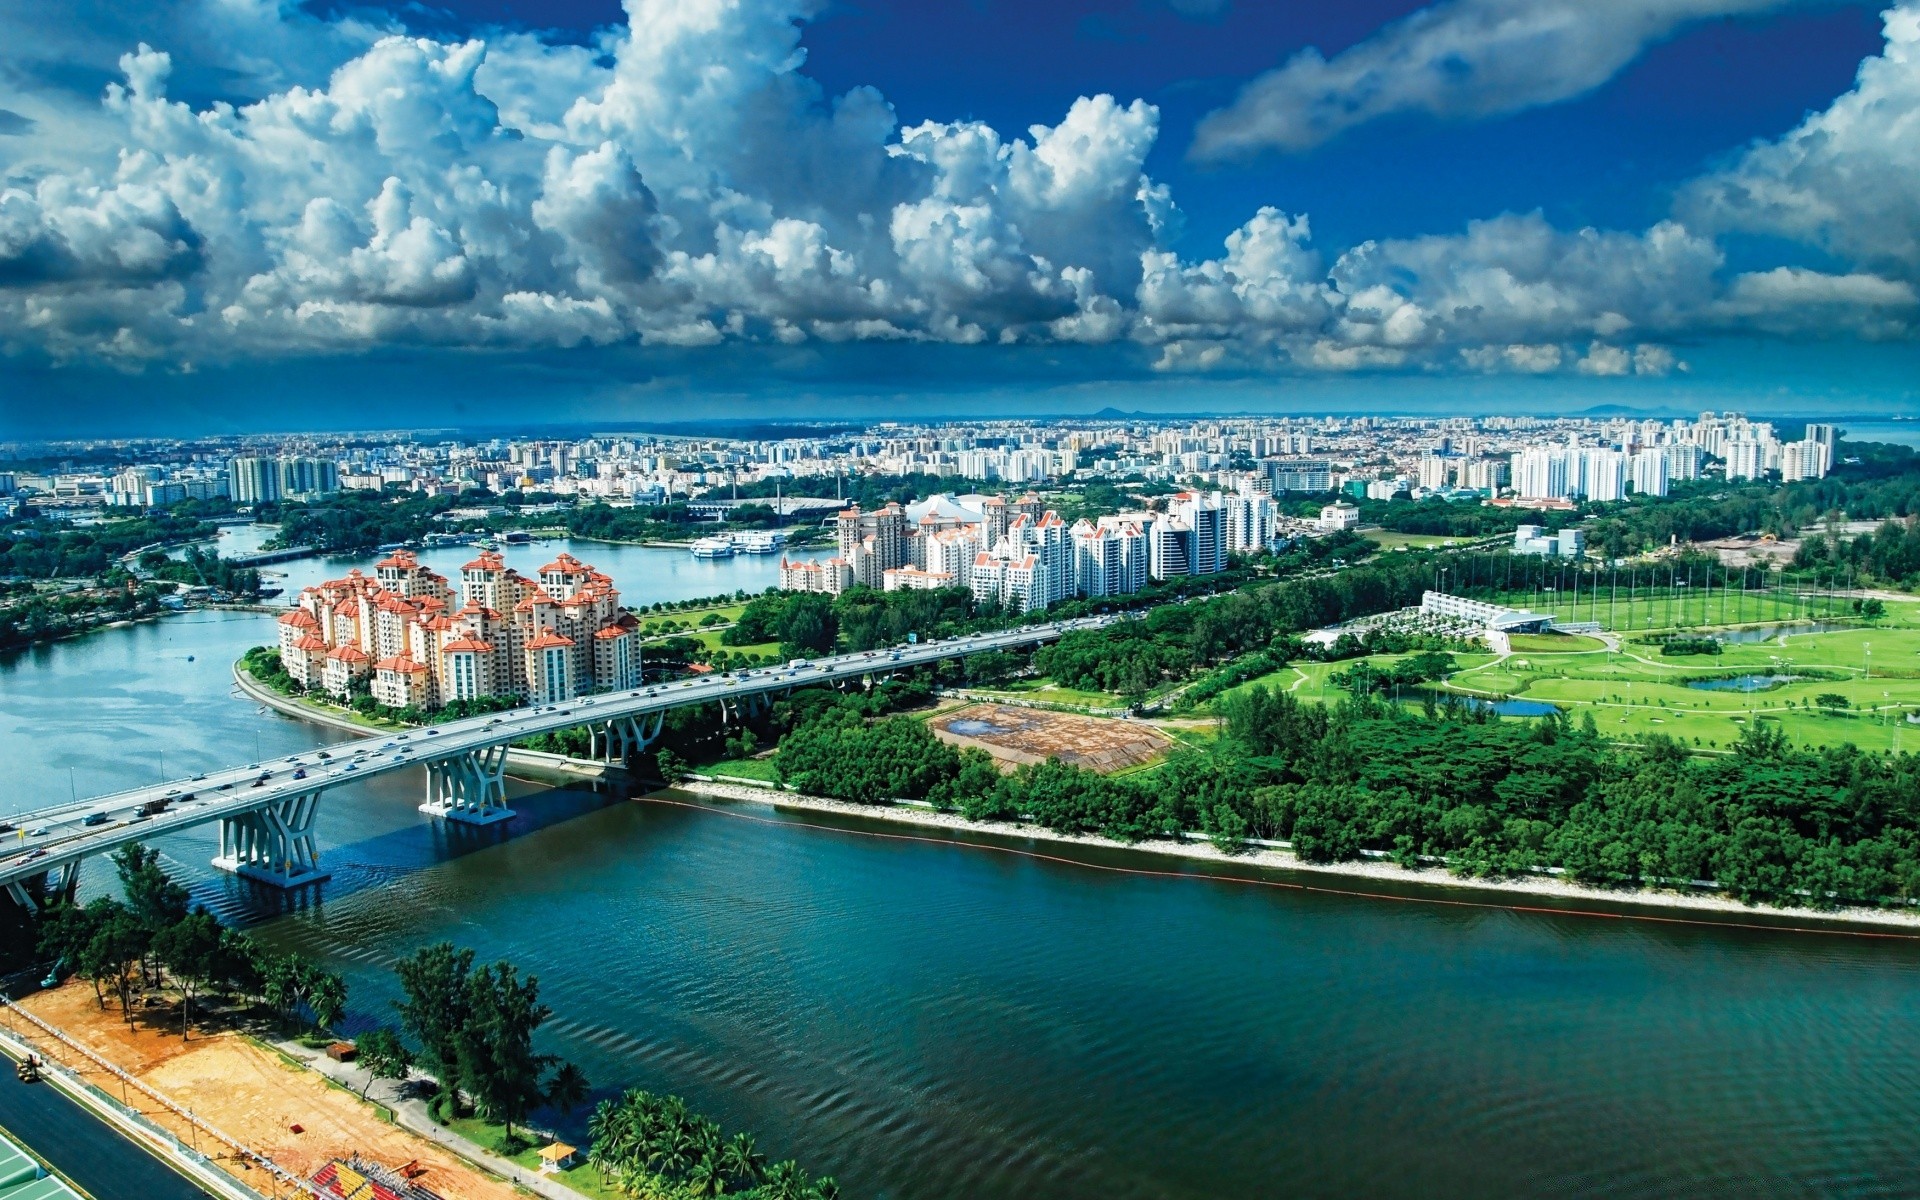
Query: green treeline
{"points": [[43, 548], [1770, 821], [151, 940]]}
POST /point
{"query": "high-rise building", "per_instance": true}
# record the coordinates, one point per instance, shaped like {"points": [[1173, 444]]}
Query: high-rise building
{"points": [[1603, 474], [1541, 475], [253, 480], [1300, 474], [1809, 459], [1648, 472], [1249, 521], [1745, 460], [303, 477]]}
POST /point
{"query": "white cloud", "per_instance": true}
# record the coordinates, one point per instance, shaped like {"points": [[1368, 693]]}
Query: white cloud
{"points": [[688, 186], [1457, 58], [1848, 178]]}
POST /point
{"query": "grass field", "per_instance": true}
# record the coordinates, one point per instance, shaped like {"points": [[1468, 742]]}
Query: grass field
{"points": [[1638, 608], [745, 768], [1876, 667], [583, 1178], [1386, 539], [1045, 691]]}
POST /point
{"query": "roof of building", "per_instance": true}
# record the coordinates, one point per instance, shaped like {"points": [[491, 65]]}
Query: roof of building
{"points": [[312, 641], [468, 645], [299, 617], [611, 632], [349, 654], [401, 663], [549, 638]]}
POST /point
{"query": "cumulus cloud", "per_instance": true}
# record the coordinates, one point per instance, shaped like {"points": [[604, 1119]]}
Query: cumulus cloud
{"points": [[1457, 58], [688, 185], [1848, 178]]}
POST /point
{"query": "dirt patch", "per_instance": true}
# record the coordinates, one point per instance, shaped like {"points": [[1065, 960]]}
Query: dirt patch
{"points": [[1031, 735], [248, 1092]]}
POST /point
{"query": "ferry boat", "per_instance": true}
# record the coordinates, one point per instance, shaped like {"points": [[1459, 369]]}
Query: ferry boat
{"points": [[713, 547], [761, 541]]}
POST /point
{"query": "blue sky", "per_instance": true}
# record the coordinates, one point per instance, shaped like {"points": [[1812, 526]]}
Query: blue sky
{"points": [[225, 214]]}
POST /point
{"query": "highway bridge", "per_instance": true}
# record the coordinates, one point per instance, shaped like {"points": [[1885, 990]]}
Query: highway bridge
{"points": [[265, 810]]}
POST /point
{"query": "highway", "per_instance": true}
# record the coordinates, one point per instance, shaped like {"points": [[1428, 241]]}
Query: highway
{"points": [[55, 836]]}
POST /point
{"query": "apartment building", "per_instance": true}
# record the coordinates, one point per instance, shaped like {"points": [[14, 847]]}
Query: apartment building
{"points": [[399, 634]]}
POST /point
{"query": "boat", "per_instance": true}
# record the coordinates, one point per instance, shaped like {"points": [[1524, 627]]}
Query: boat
{"points": [[713, 547], [516, 537], [761, 541]]}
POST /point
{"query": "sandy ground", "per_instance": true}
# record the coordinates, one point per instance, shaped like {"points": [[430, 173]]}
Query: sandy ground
{"points": [[1516, 891], [1031, 735], [248, 1092]]}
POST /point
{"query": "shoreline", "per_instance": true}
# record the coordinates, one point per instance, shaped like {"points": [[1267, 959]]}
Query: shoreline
{"points": [[1269, 859]]}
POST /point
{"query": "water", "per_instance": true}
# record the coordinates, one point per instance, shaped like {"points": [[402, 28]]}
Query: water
{"points": [[644, 574], [931, 1021], [1767, 633], [1743, 683], [1515, 708]]}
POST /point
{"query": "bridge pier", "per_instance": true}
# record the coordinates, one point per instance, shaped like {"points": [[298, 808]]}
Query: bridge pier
{"points": [[273, 844], [470, 788], [621, 736], [60, 883]]}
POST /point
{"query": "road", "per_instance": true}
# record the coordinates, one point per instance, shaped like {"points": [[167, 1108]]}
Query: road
{"points": [[85, 1149], [56, 836]]}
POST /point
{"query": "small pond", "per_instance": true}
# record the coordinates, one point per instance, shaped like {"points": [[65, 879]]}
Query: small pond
{"points": [[1516, 708], [1744, 683], [1766, 633], [968, 727]]}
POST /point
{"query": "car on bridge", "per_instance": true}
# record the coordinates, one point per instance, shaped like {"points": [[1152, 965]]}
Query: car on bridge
{"points": [[94, 819]]}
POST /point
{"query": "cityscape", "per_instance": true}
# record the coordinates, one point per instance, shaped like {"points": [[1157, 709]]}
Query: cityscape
{"points": [[1081, 600]]}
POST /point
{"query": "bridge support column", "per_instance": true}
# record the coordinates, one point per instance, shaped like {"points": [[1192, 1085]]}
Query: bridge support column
{"points": [[622, 736], [57, 884], [471, 788], [273, 844]]}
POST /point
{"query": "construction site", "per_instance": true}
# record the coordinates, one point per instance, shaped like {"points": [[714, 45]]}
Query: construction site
{"points": [[244, 1104], [1016, 736]]}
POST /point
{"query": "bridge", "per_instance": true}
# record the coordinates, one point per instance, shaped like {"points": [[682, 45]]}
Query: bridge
{"points": [[265, 810]]}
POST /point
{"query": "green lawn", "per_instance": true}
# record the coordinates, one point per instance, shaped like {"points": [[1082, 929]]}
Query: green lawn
{"points": [[650, 623], [1045, 691], [1554, 643], [1639, 608], [1386, 539], [1640, 691], [745, 768], [583, 1179]]}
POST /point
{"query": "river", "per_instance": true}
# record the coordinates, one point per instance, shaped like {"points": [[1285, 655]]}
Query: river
{"points": [[932, 1020]]}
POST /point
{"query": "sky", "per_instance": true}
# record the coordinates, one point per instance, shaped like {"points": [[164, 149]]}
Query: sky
{"points": [[228, 215]]}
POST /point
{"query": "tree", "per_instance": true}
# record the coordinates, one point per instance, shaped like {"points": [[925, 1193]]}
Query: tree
{"points": [[155, 900], [567, 1090], [383, 1055], [494, 1043], [1832, 701], [190, 950], [672, 769], [434, 980], [326, 996], [118, 944], [743, 1161]]}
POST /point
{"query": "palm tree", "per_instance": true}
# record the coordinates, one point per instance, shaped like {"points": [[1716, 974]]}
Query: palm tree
{"points": [[784, 1181], [567, 1089], [743, 1160], [707, 1177]]}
